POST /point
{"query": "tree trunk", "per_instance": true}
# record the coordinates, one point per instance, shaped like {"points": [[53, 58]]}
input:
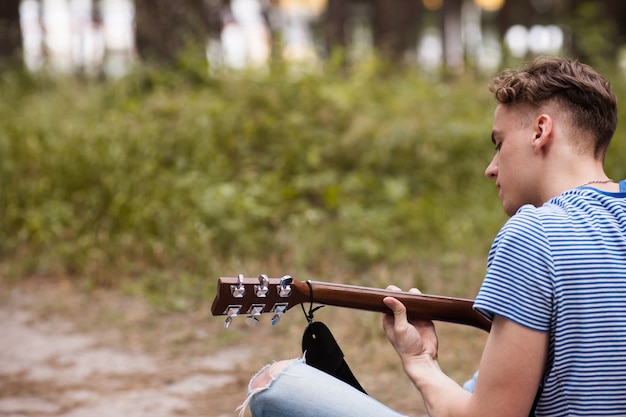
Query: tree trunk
{"points": [[164, 28], [395, 27], [616, 10], [10, 33], [335, 17]]}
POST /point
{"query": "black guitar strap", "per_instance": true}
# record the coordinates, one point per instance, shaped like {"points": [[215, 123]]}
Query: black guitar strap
{"points": [[322, 351]]}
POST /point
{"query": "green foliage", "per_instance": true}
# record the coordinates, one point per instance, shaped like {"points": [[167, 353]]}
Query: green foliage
{"points": [[166, 181]]}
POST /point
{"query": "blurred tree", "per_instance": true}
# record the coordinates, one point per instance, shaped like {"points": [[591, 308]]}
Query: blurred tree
{"points": [[453, 51], [394, 24], [514, 13], [335, 17], [597, 29], [10, 33], [617, 10], [594, 29], [164, 28]]}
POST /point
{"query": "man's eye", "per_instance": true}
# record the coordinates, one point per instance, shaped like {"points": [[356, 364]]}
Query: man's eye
{"points": [[498, 146]]}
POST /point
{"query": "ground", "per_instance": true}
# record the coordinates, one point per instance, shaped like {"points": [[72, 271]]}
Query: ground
{"points": [[66, 352]]}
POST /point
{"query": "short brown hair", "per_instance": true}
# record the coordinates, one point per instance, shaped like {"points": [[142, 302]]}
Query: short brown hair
{"points": [[575, 87]]}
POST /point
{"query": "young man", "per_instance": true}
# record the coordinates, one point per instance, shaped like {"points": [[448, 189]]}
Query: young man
{"points": [[555, 287]]}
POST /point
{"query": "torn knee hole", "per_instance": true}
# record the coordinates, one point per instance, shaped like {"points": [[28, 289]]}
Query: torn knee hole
{"points": [[267, 375]]}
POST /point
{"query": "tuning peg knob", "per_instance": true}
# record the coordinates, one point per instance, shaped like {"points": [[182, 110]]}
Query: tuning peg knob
{"points": [[252, 321], [262, 288], [238, 290], [231, 311], [279, 309], [284, 289]]}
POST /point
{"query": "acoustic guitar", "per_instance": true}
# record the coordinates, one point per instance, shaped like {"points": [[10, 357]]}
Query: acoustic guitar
{"points": [[253, 297]]}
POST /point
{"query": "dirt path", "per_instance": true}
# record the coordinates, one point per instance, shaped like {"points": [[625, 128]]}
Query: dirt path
{"points": [[66, 353]]}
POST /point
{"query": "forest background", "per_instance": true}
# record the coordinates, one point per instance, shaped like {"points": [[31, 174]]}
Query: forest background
{"points": [[156, 183]]}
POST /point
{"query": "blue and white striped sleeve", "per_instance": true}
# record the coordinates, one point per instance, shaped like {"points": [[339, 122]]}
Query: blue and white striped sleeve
{"points": [[519, 281]]}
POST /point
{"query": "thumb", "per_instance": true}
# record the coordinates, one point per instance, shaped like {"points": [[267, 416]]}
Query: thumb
{"points": [[397, 308]]}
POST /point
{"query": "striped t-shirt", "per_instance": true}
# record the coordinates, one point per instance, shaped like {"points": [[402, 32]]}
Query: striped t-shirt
{"points": [[561, 268]]}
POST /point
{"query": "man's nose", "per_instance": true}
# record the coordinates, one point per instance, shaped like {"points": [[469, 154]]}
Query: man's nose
{"points": [[492, 170]]}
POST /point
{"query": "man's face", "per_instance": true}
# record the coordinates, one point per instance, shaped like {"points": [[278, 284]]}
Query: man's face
{"points": [[513, 167]]}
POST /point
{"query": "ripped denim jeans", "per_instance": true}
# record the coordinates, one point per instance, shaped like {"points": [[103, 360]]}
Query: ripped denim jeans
{"points": [[303, 391]]}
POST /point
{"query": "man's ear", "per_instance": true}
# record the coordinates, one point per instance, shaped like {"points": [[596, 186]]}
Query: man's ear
{"points": [[542, 130]]}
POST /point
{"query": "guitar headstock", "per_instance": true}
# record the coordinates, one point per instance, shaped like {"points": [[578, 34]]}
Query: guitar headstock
{"points": [[254, 296]]}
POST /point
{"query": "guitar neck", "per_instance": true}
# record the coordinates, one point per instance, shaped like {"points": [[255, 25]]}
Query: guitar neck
{"points": [[254, 297], [419, 306]]}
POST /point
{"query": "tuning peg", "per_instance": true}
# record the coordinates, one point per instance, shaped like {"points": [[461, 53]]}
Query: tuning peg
{"points": [[284, 290], [278, 310], [254, 312], [263, 287], [231, 311], [252, 321], [238, 290]]}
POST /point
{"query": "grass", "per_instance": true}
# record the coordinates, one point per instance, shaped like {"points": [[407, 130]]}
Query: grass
{"points": [[161, 182]]}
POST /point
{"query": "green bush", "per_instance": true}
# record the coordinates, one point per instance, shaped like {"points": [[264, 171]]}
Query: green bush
{"points": [[160, 175]]}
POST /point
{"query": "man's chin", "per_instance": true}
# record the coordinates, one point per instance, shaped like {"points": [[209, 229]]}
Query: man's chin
{"points": [[510, 209]]}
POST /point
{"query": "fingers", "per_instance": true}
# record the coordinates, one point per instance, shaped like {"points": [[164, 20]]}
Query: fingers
{"points": [[394, 288], [409, 337], [397, 308], [397, 322], [395, 305]]}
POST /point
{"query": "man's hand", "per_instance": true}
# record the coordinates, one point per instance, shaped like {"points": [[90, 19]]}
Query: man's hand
{"points": [[412, 339]]}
